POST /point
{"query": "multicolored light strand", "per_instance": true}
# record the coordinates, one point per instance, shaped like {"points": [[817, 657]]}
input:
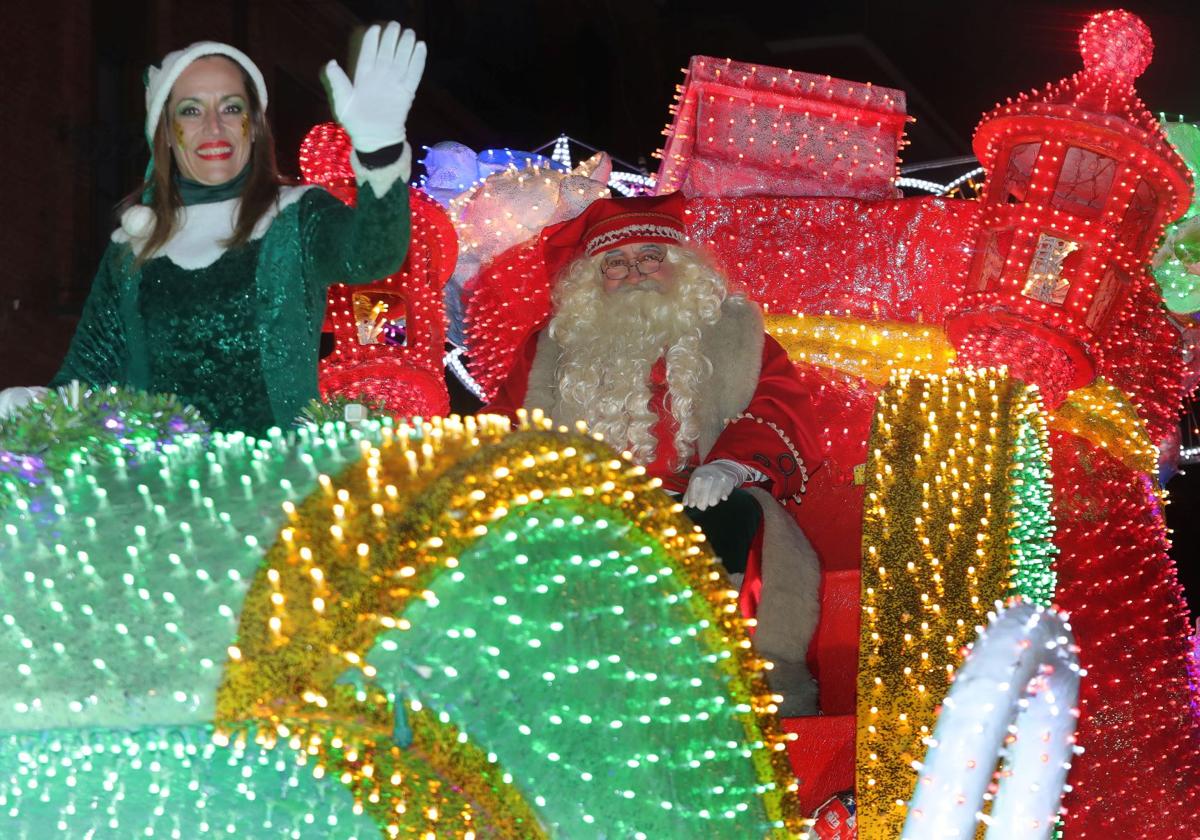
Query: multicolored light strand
{"points": [[363, 586], [369, 570]]}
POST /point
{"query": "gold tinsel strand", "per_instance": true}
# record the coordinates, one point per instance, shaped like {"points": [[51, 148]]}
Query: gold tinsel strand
{"points": [[868, 350], [1104, 415], [936, 556], [359, 549]]}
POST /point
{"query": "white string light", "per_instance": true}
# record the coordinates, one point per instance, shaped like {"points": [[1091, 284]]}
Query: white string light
{"points": [[451, 360], [935, 188], [1014, 698], [631, 183], [562, 151]]}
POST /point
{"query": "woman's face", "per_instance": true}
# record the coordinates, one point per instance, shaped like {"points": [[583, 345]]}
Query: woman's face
{"points": [[209, 121]]}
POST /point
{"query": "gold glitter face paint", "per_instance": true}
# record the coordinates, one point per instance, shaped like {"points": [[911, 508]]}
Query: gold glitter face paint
{"points": [[245, 125], [179, 138]]}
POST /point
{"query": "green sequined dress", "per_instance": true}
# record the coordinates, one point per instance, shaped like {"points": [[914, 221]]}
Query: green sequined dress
{"points": [[236, 333]]}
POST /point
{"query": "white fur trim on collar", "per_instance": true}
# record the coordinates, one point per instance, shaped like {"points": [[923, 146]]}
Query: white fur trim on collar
{"points": [[161, 79], [197, 243], [381, 179]]}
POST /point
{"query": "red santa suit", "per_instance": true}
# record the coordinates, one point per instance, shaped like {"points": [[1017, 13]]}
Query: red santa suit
{"points": [[754, 410]]}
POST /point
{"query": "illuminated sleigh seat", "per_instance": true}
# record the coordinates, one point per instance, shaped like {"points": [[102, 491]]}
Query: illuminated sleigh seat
{"points": [[355, 633]]}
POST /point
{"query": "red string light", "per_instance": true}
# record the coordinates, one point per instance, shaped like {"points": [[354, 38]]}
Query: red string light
{"points": [[407, 380], [1080, 184], [1139, 733], [744, 129]]}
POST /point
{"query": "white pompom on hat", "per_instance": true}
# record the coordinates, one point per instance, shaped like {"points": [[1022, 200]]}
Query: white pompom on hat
{"points": [[137, 221], [160, 79]]}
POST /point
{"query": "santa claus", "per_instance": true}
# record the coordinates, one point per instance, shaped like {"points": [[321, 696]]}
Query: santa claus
{"points": [[647, 344]]}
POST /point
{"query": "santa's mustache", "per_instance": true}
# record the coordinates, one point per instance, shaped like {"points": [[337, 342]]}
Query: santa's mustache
{"points": [[645, 308], [646, 284]]}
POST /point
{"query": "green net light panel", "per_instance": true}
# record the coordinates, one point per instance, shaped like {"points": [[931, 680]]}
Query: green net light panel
{"points": [[448, 629]]}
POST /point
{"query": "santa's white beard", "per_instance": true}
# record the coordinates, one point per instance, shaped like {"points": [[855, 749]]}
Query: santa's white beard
{"points": [[610, 343]]}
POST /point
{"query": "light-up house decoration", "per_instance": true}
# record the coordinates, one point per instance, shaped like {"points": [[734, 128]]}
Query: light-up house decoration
{"points": [[390, 335], [1080, 183]]}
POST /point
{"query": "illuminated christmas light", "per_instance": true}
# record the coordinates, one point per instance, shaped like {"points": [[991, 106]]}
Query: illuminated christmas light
{"points": [[874, 279], [454, 536], [1177, 255], [1013, 699], [870, 350], [1127, 608], [562, 151], [935, 188], [1107, 418], [389, 336], [743, 129], [1080, 185], [956, 518]]}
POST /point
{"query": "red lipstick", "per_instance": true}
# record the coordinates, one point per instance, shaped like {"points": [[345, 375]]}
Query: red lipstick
{"points": [[215, 150]]}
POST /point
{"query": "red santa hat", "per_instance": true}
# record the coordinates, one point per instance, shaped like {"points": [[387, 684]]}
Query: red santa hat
{"points": [[611, 222]]}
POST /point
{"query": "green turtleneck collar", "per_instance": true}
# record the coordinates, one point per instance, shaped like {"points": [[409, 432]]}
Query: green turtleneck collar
{"points": [[193, 192]]}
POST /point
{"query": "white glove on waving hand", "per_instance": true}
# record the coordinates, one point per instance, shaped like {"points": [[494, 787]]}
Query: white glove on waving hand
{"points": [[374, 107], [713, 482]]}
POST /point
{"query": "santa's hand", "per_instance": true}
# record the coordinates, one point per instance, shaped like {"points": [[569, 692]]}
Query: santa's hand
{"points": [[14, 399], [712, 483], [374, 107]]}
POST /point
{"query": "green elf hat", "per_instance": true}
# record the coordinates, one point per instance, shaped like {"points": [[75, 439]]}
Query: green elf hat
{"points": [[159, 79]]}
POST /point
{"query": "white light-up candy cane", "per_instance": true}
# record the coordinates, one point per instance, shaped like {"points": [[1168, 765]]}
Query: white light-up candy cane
{"points": [[1019, 685]]}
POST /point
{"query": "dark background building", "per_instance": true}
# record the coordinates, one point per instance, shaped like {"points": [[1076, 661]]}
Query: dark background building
{"points": [[500, 74]]}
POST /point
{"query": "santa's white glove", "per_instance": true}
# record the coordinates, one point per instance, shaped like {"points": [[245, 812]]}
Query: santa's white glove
{"points": [[374, 107], [713, 482], [14, 399]]}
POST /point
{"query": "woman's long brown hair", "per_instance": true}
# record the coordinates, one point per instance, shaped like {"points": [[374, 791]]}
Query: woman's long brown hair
{"points": [[259, 193]]}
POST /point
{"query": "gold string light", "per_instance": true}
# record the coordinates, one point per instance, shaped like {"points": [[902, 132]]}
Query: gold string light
{"points": [[415, 503], [868, 350], [956, 518], [1104, 415]]}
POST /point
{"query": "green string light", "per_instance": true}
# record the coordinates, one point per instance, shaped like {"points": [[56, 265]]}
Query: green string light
{"points": [[545, 622], [1032, 549]]}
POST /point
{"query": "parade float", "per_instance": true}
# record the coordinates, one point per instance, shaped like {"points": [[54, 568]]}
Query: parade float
{"points": [[420, 625]]}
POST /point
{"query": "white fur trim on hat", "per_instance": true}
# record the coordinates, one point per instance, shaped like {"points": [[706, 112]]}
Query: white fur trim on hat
{"points": [[639, 230], [161, 79]]}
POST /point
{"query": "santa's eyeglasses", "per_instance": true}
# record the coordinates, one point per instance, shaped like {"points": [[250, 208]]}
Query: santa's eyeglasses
{"points": [[620, 269]]}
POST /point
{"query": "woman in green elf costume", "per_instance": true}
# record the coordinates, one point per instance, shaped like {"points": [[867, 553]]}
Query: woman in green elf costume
{"points": [[214, 286]]}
